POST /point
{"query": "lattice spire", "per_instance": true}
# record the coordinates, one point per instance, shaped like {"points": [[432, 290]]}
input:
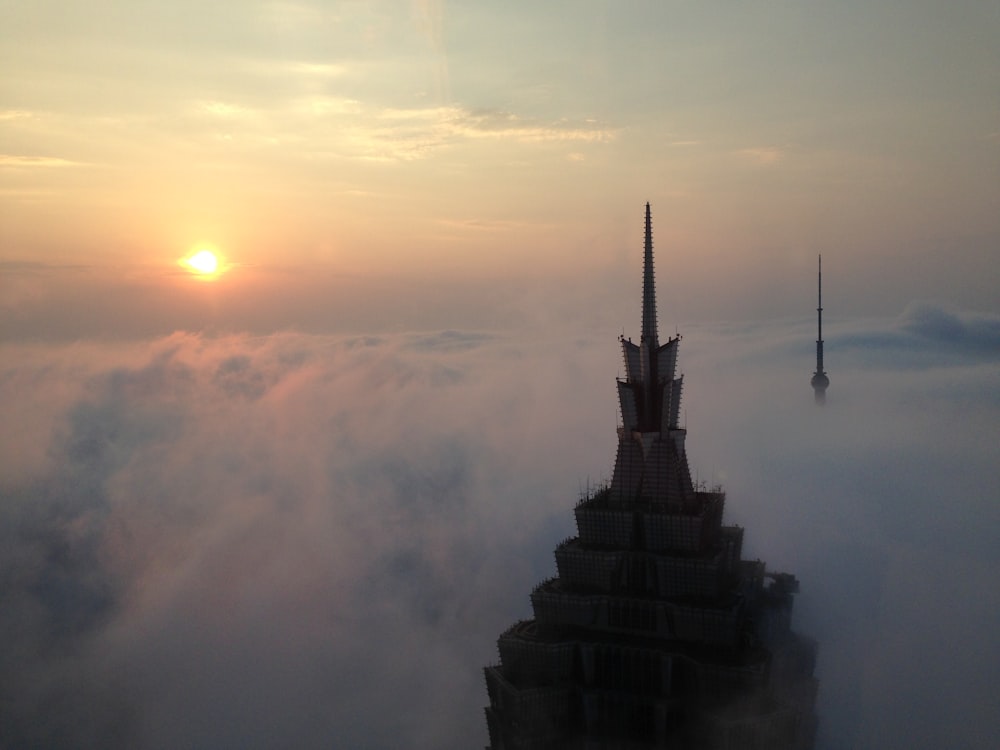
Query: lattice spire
{"points": [[649, 288], [820, 382]]}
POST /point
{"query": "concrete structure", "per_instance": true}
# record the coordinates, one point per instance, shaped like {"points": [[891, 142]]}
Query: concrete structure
{"points": [[654, 633], [820, 382]]}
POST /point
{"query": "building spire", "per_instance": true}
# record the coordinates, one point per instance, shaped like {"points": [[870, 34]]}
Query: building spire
{"points": [[820, 381], [649, 288]]}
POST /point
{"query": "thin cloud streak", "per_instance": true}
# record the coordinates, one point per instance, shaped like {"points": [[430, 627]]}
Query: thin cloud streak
{"points": [[31, 162]]}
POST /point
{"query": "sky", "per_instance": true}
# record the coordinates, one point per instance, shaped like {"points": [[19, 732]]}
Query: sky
{"points": [[293, 502], [351, 160]]}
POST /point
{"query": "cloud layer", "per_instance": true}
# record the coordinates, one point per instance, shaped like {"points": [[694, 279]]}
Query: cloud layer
{"points": [[309, 541]]}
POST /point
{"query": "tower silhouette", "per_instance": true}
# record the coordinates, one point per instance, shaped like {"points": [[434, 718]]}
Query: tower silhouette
{"points": [[654, 633], [820, 382]]}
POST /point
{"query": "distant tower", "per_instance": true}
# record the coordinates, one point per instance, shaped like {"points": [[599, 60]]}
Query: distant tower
{"points": [[820, 381], [654, 633]]}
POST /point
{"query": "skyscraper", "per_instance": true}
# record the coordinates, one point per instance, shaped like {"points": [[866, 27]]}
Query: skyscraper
{"points": [[820, 382], [654, 633]]}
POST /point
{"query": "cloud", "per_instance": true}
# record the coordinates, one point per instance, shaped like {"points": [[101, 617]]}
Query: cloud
{"points": [[925, 334], [499, 124], [880, 502], [258, 541], [762, 155], [448, 341], [482, 225], [970, 332], [250, 541], [224, 111], [413, 133], [30, 162], [369, 132], [322, 71]]}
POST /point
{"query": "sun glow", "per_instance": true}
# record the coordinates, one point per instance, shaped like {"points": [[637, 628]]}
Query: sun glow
{"points": [[203, 262]]}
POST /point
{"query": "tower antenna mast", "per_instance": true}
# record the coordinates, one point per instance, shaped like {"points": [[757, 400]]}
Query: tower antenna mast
{"points": [[819, 381]]}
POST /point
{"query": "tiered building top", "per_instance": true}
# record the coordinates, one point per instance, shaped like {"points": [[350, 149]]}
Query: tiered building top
{"points": [[654, 633]]}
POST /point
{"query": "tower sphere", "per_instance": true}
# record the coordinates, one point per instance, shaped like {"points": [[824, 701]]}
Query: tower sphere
{"points": [[820, 380]]}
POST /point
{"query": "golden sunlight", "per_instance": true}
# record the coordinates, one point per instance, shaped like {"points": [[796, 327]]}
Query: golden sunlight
{"points": [[204, 262]]}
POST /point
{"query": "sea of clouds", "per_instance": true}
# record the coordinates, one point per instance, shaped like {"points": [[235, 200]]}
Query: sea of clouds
{"points": [[297, 540]]}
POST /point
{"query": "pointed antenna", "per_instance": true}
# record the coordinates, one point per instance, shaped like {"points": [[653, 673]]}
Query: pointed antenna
{"points": [[648, 403], [819, 310], [819, 317], [820, 382], [649, 287]]}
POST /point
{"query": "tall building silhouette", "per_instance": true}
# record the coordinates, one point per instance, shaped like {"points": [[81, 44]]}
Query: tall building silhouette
{"points": [[820, 382], [654, 633]]}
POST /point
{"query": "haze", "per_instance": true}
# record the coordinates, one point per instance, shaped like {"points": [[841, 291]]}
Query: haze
{"points": [[293, 505]]}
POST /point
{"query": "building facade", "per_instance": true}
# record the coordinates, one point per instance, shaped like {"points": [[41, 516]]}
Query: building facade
{"points": [[654, 633]]}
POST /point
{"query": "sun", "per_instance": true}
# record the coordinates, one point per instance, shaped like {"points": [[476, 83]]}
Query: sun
{"points": [[203, 262]]}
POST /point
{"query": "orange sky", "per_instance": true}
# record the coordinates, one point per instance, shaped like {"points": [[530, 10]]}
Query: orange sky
{"points": [[473, 144]]}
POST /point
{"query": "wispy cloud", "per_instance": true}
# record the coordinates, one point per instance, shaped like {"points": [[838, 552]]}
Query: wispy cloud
{"points": [[504, 125], [316, 70], [482, 225], [225, 110], [762, 155], [15, 114], [407, 134], [40, 162], [343, 127]]}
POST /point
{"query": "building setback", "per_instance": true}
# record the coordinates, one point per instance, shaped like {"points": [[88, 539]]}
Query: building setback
{"points": [[654, 633]]}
